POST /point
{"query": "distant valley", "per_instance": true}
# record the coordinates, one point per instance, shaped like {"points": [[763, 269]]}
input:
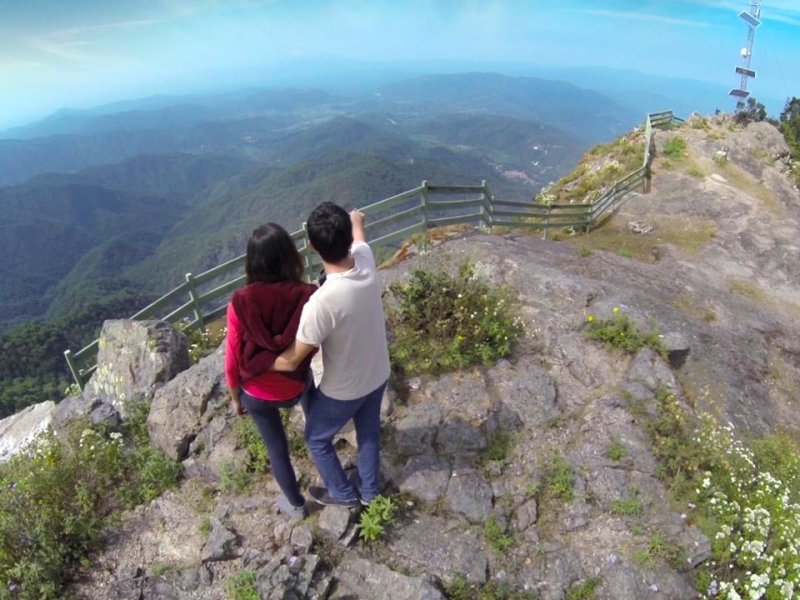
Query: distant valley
{"points": [[103, 210], [97, 201]]}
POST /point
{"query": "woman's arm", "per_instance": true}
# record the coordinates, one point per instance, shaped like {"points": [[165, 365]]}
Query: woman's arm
{"points": [[232, 339]]}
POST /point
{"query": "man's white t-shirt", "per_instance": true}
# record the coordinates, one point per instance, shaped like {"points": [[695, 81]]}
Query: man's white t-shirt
{"points": [[345, 319]]}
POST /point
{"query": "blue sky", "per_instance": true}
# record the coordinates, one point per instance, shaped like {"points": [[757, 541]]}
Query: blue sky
{"points": [[79, 53]]}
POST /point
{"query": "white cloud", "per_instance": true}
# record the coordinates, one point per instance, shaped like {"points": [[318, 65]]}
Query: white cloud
{"points": [[637, 16], [781, 18], [784, 11], [131, 24]]}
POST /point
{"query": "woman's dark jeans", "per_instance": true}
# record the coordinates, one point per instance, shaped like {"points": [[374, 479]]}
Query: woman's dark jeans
{"points": [[267, 415]]}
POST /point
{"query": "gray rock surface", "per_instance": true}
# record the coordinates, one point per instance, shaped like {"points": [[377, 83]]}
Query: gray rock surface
{"points": [[361, 578], [20, 429], [333, 521], [426, 477], [134, 359], [440, 547], [469, 495], [222, 544], [718, 277], [181, 408]]}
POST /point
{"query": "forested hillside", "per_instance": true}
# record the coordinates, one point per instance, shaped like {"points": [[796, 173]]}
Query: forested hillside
{"points": [[105, 209]]}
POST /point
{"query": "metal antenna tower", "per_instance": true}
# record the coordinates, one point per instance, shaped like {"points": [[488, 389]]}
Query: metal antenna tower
{"points": [[752, 19]]}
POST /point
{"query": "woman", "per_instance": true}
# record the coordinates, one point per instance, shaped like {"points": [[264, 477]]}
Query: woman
{"points": [[262, 321]]}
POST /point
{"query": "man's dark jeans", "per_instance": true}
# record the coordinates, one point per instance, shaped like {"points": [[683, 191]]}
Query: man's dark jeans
{"points": [[325, 417]]}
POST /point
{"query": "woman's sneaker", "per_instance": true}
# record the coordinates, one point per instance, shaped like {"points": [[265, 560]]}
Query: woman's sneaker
{"points": [[295, 513]]}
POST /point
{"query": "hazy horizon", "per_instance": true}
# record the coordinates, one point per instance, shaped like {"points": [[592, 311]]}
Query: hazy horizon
{"points": [[88, 53]]}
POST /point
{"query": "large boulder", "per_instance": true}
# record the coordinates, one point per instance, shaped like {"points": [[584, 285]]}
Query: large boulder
{"points": [[361, 578], [135, 358], [80, 409], [19, 430], [179, 410]]}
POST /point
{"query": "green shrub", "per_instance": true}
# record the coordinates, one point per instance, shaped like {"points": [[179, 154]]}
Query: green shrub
{"points": [[617, 450], [443, 322], [202, 340], [376, 517], [748, 512], [497, 537], [620, 332], [460, 589], [248, 438], [696, 171], [297, 442], [242, 586], [675, 147], [660, 549], [582, 591], [500, 446], [627, 507], [55, 500], [558, 478], [234, 478]]}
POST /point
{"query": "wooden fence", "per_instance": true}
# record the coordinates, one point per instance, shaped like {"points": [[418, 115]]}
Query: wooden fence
{"points": [[203, 298]]}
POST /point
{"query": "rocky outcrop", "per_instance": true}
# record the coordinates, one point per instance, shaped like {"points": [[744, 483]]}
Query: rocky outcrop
{"points": [[20, 429], [360, 578], [182, 408], [134, 359], [475, 513]]}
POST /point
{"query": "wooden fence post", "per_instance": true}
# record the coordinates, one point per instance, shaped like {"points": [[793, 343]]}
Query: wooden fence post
{"points": [[307, 254], [73, 368], [486, 211], [588, 218], [424, 200], [198, 311], [547, 220]]}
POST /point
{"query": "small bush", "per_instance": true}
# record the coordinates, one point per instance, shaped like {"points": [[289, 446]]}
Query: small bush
{"points": [[242, 586], [695, 171], [248, 438], [558, 478], [675, 147], [202, 340], [659, 549], [376, 517], [500, 446], [620, 332], [497, 537], [55, 500], [628, 507], [443, 323], [744, 498], [460, 589], [617, 450], [233, 478], [582, 591]]}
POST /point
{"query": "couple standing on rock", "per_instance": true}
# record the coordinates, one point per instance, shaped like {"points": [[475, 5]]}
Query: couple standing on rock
{"points": [[276, 323]]}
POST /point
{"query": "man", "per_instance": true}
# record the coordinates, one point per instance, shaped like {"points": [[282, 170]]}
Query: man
{"points": [[345, 319]]}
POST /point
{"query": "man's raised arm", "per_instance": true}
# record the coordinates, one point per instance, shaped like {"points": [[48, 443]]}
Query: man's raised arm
{"points": [[357, 220]]}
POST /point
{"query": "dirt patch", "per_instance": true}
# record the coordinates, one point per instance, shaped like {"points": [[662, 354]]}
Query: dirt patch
{"points": [[685, 233]]}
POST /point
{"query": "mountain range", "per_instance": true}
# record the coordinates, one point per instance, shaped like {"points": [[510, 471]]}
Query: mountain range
{"points": [[131, 196]]}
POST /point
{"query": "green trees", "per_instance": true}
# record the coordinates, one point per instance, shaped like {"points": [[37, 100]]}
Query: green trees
{"points": [[790, 125], [32, 366], [755, 111]]}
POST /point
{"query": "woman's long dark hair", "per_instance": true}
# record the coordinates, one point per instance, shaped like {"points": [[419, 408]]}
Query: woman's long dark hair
{"points": [[272, 256]]}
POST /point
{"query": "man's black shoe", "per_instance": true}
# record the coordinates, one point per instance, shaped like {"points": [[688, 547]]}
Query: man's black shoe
{"points": [[320, 495]]}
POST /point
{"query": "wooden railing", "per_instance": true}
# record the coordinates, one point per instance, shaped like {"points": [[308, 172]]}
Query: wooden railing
{"points": [[202, 298]]}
